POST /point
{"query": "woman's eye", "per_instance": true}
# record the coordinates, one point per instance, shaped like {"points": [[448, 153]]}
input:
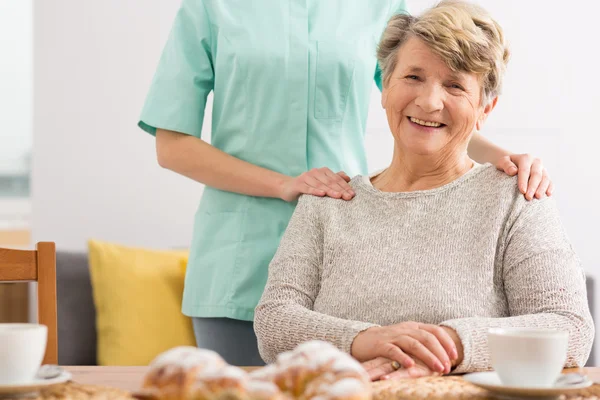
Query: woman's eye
{"points": [[412, 77], [456, 86]]}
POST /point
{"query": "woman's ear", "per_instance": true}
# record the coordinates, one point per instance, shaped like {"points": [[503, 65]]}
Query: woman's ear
{"points": [[384, 94], [486, 111]]}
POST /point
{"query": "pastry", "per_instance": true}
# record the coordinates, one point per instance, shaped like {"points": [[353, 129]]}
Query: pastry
{"points": [[317, 370], [314, 370], [172, 374]]}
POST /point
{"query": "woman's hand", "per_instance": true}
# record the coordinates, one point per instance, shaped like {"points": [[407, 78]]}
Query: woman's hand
{"points": [[431, 344], [533, 178], [318, 182], [383, 368]]}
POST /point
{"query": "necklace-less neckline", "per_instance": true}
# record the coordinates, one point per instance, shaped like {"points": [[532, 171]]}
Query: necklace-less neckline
{"points": [[364, 181]]}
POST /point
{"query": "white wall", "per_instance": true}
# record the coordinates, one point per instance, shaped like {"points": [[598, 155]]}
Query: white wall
{"points": [[95, 174]]}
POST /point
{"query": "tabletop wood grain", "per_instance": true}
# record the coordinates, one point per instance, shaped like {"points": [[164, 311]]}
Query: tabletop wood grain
{"points": [[130, 378]]}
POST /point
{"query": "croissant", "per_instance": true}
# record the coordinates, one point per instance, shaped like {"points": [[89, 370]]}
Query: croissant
{"points": [[314, 370], [172, 374], [317, 370], [189, 373], [227, 382]]}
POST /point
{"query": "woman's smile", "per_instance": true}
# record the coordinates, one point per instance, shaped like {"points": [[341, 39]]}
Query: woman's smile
{"points": [[428, 126]]}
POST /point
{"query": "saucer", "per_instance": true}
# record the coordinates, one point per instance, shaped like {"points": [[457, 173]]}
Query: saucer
{"points": [[490, 381], [33, 386]]}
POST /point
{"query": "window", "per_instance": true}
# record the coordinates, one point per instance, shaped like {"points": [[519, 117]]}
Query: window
{"points": [[16, 113]]}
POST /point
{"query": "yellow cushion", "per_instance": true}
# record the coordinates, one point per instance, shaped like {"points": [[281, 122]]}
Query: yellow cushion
{"points": [[137, 293], [183, 265]]}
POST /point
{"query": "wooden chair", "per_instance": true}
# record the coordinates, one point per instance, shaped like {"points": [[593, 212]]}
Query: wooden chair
{"points": [[39, 266]]}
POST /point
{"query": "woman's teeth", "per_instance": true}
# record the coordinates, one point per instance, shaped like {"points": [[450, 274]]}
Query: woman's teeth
{"points": [[425, 123]]}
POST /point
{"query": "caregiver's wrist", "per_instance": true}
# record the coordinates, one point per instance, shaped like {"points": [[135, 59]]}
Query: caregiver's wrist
{"points": [[484, 151], [282, 185]]}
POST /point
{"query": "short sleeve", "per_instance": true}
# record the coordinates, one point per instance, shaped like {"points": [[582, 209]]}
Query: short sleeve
{"points": [[396, 7], [184, 76]]}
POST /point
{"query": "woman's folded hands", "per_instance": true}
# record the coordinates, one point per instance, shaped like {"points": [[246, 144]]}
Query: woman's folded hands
{"points": [[382, 368], [407, 349]]}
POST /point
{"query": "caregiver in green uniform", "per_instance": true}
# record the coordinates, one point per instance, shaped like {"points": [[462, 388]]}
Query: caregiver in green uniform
{"points": [[291, 81]]}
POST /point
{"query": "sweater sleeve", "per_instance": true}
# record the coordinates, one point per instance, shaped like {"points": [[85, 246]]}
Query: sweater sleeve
{"points": [[544, 286], [284, 316]]}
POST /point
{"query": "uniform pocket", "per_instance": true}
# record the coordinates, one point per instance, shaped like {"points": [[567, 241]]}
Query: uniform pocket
{"points": [[334, 72]]}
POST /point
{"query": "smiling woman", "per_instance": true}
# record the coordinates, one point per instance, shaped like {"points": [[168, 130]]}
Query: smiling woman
{"points": [[446, 79], [436, 249], [432, 110]]}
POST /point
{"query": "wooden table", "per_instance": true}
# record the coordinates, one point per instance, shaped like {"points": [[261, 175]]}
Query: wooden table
{"points": [[126, 378], [130, 378]]}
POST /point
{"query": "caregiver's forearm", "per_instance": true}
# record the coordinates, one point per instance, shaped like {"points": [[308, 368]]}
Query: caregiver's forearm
{"points": [[483, 151], [198, 160]]}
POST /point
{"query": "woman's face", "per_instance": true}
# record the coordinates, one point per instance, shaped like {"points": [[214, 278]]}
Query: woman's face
{"points": [[431, 110]]}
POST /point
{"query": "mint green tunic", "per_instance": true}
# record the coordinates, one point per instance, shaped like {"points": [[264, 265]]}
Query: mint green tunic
{"points": [[291, 81]]}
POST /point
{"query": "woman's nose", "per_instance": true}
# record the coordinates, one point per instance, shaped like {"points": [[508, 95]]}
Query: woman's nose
{"points": [[430, 99]]}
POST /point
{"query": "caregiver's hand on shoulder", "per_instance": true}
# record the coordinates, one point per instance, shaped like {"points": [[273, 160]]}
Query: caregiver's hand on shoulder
{"points": [[318, 182], [533, 179], [382, 368], [431, 344]]}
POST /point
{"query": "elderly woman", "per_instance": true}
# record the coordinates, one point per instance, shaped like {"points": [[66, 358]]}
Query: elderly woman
{"points": [[436, 249]]}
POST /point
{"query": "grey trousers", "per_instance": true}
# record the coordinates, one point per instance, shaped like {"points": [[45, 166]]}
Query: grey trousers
{"points": [[233, 339]]}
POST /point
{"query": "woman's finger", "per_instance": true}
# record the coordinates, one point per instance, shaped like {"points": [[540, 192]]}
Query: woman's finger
{"points": [[431, 352], [402, 373], [342, 179], [535, 177], [444, 339], [393, 352], [550, 189], [415, 348], [333, 182], [543, 187], [376, 362], [379, 367], [523, 162], [505, 164], [312, 191], [343, 175], [317, 184], [417, 371], [336, 182]]}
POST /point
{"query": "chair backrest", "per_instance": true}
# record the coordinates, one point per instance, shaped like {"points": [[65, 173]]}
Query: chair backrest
{"points": [[39, 266]]}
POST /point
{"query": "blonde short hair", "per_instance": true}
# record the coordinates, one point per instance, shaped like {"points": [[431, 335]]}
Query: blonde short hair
{"points": [[462, 34]]}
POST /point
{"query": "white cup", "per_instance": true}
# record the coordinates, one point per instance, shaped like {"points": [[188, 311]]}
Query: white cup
{"points": [[528, 357], [22, 349]]}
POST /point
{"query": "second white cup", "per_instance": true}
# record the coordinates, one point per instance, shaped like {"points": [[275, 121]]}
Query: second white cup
{"points": [[528, 357]]}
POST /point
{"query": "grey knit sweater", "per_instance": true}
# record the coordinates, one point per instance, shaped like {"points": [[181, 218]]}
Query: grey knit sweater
{"points": [[470, 255]]}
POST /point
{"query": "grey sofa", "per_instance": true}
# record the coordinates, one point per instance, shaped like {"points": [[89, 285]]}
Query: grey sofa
{"points": [[77, 314]]}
